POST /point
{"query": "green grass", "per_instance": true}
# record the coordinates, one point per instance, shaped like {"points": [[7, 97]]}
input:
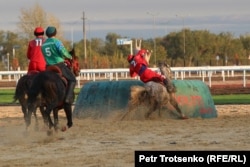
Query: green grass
{"points": [[232, 99], [6, 97]]}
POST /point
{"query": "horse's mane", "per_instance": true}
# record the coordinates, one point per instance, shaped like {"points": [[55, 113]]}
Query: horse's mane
{"points": [[165, 69], [74, 64]]}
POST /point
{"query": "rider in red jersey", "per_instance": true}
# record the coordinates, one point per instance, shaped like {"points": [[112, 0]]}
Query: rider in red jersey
{"points": [[139, 66], [34, 53]]}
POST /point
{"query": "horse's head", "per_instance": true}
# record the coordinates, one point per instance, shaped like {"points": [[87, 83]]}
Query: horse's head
{"points": [[165, 69], [73, 63]]}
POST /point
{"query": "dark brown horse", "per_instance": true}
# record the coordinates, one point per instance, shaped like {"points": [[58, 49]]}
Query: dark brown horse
{"points": [[21, 94], [48, 88]]}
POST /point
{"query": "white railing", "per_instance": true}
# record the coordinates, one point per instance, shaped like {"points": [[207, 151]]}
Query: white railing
{"points": [[123, 73]]}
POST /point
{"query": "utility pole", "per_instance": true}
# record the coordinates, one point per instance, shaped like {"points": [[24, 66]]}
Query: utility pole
{"points": [[84, 35], [184, 42], [154, 15]]}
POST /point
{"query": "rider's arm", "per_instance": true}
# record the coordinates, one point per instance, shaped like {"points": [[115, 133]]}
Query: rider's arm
{"points": [[29, 51], [132, 71], [63, 50]]}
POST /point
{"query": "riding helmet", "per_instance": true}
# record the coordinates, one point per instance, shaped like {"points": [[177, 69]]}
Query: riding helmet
{"points": [[50, 31], [142, 52], [38, 31]]}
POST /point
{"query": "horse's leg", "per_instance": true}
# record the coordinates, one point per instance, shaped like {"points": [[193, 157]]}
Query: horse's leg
{"points": [[42, 111], [68, 112], [176, 106], [24, 110], [44, 116], [31, 109], [48, 118], [26, 116], [153, 106], [56, 120], [159, 110], [36, 126]]}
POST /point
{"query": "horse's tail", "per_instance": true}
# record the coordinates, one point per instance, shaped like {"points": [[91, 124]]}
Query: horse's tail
{"points": [[138, 94], [22, 87], [15, 97], [19, 92]]}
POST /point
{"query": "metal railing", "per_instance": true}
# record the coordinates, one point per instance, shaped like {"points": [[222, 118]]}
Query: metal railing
{"points": [[206, 72]]}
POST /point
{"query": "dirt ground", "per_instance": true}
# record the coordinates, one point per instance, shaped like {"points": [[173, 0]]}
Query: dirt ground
{"points": [[110, 142]]}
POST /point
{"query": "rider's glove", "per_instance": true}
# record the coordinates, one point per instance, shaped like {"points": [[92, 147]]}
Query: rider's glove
{"points": [[163, 76]]}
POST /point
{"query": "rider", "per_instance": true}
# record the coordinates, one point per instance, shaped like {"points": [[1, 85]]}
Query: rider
{"points": [[139, 66], [34, 53], [55, 53]]}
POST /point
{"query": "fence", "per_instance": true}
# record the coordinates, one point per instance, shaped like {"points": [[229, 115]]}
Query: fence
{"points": [[202, 73]]}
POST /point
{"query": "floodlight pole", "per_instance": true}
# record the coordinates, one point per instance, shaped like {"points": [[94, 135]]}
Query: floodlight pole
{"points": [[84, 35]]}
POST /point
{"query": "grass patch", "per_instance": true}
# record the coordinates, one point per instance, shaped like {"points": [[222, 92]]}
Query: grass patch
{"points": [[231, 99], [6, 97]]}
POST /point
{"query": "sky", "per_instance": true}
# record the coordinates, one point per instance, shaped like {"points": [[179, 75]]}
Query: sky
{"points": [[135, 18]]}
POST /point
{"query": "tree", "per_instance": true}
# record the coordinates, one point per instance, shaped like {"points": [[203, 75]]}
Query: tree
{"points": [[34, 17], [30, 19], [172, 43], [245, 40], [10, 45], [111, 46]]}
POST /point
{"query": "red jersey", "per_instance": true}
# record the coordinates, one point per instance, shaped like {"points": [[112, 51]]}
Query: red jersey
{"points": [[139, 66], [35, 56]]}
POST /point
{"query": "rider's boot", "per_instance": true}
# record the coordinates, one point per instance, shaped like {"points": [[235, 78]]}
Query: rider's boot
{"points": [[70, 93], [170, 87]]}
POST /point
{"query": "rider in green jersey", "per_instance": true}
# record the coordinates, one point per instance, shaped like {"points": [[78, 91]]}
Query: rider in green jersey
{"points": [[54, 53]]}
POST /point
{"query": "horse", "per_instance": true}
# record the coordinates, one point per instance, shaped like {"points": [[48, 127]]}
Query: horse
{"points": [[48, 89], [21, 91], [153, 95]]}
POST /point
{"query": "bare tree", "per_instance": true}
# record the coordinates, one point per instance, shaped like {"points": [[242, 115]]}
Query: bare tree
{"points": [[34, 17]]}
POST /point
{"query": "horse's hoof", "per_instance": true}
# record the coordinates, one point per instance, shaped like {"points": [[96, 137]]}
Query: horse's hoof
{"points": [[70, 125], [63, 128], [49, 132], [184, 117]]}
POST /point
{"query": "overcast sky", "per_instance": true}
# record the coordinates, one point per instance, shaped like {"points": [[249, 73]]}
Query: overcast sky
{"points": [[136, 18]]}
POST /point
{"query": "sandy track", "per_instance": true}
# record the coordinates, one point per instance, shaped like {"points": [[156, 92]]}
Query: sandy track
{"points": [[111, 142]]}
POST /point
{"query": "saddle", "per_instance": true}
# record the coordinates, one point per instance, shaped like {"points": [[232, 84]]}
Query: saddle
{"points": [[33, 72], [57, 70]]}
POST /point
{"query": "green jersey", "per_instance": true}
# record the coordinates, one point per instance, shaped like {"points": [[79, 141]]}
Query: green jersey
{"points": [[54, 52]]}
